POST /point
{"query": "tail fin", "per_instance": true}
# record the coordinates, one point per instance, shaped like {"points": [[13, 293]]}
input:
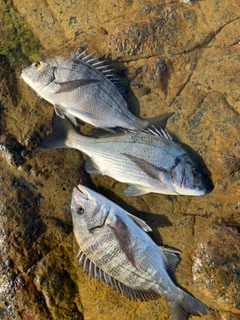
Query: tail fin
{"points": [[160, 121], [187, 305], [61, 129]]}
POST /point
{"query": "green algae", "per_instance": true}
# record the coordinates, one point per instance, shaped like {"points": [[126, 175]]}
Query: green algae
{"points": [[17, 40]]}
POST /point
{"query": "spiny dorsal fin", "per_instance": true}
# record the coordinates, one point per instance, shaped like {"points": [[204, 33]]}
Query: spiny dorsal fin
{"points": [[172, 256], [101, 66], [151, 131], [157, 132]]}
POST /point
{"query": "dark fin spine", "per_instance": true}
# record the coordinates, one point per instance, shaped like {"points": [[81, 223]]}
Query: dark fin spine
{"points": [[160, 121], [187, 305], [61, 128]]}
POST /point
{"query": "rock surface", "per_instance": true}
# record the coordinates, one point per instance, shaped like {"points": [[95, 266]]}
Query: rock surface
{"points": [[180, 56], [216, 266]]}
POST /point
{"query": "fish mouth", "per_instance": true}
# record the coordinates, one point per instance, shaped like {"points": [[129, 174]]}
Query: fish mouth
{"points": [[25, 77], [193, 192], [80, 188]]}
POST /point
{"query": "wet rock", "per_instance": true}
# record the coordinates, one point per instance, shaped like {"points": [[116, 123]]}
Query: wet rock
{"points": [[170, 59], [216, 267], [12, 150]]}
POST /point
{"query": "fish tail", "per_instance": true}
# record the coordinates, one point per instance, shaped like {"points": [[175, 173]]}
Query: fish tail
{"points": [[59, 138], [159, 121], [186, 305]]}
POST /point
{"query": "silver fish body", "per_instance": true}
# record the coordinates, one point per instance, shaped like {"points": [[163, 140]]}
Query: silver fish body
{"points": [[84, 88], [116, 249], [148, 161]]}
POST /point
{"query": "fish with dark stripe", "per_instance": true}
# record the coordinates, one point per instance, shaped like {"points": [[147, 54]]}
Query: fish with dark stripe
{"points": [[85, 88], [115, 248]]}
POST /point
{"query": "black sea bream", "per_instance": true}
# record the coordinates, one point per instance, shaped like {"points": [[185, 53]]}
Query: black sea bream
{"points": [[115, 248], [148, 161], [83, 87]]}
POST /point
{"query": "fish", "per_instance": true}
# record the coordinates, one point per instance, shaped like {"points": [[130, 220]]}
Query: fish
{"points": [[149, 161], [114, 246], [84, 87]]}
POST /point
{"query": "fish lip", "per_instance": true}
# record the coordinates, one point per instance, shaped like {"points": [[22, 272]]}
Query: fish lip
{"points": [[200, 192], [23, 74], [80, 187], [83, 193]]}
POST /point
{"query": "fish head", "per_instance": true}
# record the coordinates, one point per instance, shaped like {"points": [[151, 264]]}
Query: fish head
{"points": [[40, 74], [186, 178], [89, 209]]}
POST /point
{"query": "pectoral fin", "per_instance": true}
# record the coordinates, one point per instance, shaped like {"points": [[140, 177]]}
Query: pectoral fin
{"points": [[58, 87], [123, 237], [150, 169], [83, 115]]}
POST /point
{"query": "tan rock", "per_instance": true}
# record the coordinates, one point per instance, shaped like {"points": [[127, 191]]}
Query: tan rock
{"points": [[180, 56]]}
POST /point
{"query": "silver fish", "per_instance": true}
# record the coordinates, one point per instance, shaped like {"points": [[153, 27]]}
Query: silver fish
{"points": [[85, 88], [115, 249], [148, 161]]}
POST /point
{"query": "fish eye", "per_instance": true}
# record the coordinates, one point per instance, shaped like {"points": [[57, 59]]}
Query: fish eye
{"points": [[37, 64], [80, 210]]}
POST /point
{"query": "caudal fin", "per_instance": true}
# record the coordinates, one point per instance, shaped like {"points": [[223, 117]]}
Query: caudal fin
{"points": [[185, 306], [61, 128], [160, 121]]}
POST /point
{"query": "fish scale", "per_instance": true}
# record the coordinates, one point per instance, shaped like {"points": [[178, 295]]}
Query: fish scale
{"points": [[86, 90], [146, 161], [124, 255]]}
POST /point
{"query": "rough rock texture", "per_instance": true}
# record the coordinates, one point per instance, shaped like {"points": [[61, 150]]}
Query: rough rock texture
{"points": [[181, 56], [216, 266]]}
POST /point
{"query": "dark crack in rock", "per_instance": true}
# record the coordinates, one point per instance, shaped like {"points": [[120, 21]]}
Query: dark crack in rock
{"points": [[12, 150]]}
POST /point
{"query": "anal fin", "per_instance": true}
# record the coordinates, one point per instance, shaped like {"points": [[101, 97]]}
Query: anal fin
{"points": [[60, 111]]}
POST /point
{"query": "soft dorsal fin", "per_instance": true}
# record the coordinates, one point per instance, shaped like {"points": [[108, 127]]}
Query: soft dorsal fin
{"points": [[172, 256], [140, 222], [96, 272]]}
